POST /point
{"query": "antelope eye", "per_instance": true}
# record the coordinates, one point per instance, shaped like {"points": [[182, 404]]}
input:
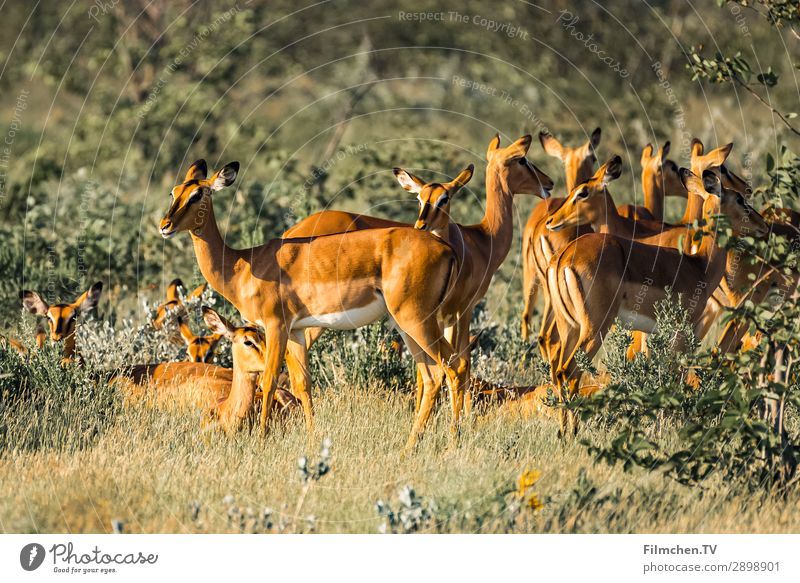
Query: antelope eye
{"points": [[249, 344], [198, 194], [582, 194], [443, 201]]}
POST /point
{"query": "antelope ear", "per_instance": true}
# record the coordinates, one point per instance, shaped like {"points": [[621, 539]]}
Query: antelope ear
{"points": [[697, 147], [518, 149], [594, 139], [224, 177], [33, 303], [711, 183], [610, 171], [717, 157], [494, 144], [217, 323], [461, 180], [186, 332], [198, 291], [408, 181], [551, 145], [664, 151], [197, 171], [172, 290], [647, 153], [89, 299]]}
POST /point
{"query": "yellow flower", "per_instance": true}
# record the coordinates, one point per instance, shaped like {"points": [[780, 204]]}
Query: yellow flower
{"points": [[527, 480], [534, 503]]}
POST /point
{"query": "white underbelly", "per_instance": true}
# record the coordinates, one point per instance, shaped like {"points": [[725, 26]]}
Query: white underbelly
{"points": [[636, 321], [346, 320]]}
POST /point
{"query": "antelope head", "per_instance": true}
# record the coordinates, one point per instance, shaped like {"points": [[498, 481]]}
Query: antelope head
{"points": [[248, 347], [663, 172], [62, 318], [434, 199], [198, 348], [587, 203], [512, 166], [190, 201], [578, 162], [719, 200]]}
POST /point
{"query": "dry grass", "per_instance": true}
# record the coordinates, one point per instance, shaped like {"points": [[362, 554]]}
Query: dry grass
{"points": [[157, 472]]}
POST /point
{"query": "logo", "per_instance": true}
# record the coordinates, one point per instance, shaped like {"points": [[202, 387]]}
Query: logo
{"points": [[31, 556]]}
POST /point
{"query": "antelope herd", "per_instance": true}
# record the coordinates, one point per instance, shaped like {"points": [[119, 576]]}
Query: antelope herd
{"points": [[594, 263]]}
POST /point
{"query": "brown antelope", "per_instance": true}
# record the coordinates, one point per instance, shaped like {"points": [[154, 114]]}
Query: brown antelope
{"points": [[480, 248], [592, 205], [756, 282], [198, 348], [660, 179], [340, 281], [40, 338], [601, 277], [538, 244], [63, 317], [198, 385], [174, 304]]}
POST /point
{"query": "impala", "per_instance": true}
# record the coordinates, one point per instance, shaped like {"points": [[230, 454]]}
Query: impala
{"points": [[538, 244], [63, 317], [40, 337], [480, 248], [198, 385], [198, 348], [660, 179], [174, 302], [601, 277], [340, 281]]}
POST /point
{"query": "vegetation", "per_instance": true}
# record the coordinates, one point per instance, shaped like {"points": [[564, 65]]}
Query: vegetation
{"points": [[103, 105]]}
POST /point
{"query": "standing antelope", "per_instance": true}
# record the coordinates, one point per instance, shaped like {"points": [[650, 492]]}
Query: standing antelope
{"points": [[599, 277], [340, 281], [63, 317], [538, 244], [480, 248], [660, 179], [198, 385]]}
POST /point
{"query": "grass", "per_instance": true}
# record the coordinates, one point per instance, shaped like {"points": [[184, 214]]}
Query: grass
{"points": [[158, 472]]}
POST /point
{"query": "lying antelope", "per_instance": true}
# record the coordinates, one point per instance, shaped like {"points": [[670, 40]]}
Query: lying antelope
{"points": [[63, 317], [174, 302], [600, 277], [196, 385], [198, 348], [340, 281]]}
